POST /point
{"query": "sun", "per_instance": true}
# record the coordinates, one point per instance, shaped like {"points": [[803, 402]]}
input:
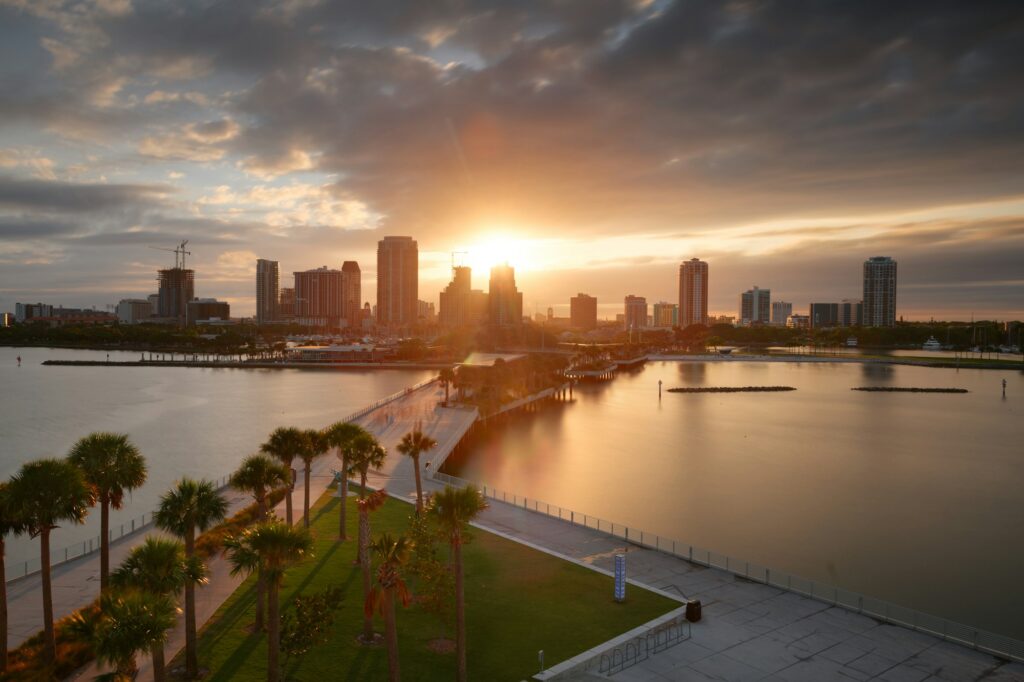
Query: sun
{"points": [[495, 249]]}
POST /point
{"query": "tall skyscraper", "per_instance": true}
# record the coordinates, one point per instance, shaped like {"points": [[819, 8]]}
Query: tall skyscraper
{"points": [[879, 292], [693, 292], [351, 294], [461, 305], [177, 286], [397, 281], [583, 312], [286, 303], [504, 301], [755, 306], [781, 310], [635, 313], [267, 291], [319, 298]]}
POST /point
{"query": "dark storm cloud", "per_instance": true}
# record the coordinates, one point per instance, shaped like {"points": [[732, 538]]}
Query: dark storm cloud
{"points": [[20, 228], [45, 195]]}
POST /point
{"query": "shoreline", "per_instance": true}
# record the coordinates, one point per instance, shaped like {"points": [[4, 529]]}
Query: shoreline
{"points": [[248, 365], [942, 363]]}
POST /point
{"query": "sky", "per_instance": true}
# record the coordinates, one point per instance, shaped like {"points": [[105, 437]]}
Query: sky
{"points": [[594, 144]]}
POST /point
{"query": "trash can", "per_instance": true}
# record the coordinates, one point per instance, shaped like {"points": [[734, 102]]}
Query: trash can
{"points": [[693, 610]]}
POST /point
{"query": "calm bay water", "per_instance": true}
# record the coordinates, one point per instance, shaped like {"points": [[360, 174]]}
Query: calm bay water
{"points": [[914, 498], [195, 422]]}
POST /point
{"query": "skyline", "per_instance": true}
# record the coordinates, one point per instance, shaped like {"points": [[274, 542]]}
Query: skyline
{"points": [[603, 143]]}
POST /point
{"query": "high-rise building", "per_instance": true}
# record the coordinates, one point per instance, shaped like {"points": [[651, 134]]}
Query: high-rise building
{"points": [[351, 294], [176, 288], [455, 299], [879, 302], [318, 297], [154, 302], [397, 281], [824, 315], [583, 312], [267, 291], [425, 311], [755, 306], [851, 312], [24, 312], [693, 292], [504, 301], [665, 314], [206, 309], [798, 322], [781, 310], [134, 310], [636, 313], [286, 303]]}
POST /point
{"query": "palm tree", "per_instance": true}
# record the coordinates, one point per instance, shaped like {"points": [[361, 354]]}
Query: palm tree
{"points": [[270, 548], [453, 508], [112, 465], [189, 505], [258, 475], [158, 567], [367, 504], [365, 453], [45, 493], [447, 376], [392, 554], [315, 445], [341, 435], [413, 445], [130, 623], [285, 444], [10, 523]]}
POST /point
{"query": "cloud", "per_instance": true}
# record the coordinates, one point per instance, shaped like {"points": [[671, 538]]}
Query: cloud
{"points": [[192, 142], [76, 197]]}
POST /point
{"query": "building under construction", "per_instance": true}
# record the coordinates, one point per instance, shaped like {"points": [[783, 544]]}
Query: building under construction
{"points": [[177, 288]]}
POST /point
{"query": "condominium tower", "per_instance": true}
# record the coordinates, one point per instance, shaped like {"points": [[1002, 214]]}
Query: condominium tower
{"points": [[504, 301], [397, 281], [583, 312], [176, 287], [351, 294], [267, 291], [755, 306], [781, 310], [879, 302], [693, 292], [319, 299], [635, 313]]}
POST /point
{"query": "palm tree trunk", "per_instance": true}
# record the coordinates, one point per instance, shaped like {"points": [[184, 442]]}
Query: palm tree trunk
{"points": [[364, 564], [191, 658], [343, 490], [361, 554], [157, 654], [460, 613], [49, 643], [288, 496], [261, 583], [305, 499], [391, 635], [274, 634], [3, 607], [104, 543], [419, 485]]}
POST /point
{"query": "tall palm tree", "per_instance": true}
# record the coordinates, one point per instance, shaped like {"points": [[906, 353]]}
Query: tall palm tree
{"points": [[189, 505], [413, 445], [48, 492], [392, 554], [365, 453], [367, 504], [10, 523], [112, 466], [447, 376], [130, 623], [258, 475], [341, 435], [159, 567], [285, 444], [315, 445], [453, 508], [270, 548]]}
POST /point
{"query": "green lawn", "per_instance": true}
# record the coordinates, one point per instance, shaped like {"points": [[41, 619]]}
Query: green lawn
{"points": [[518, 600]]}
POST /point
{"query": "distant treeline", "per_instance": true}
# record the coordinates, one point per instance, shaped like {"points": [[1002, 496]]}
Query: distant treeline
{"points": [[731, 389], [896, 389]]}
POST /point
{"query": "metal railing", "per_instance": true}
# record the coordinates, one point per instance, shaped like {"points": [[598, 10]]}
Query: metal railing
{"points": [[880, 609], [388, 399]]}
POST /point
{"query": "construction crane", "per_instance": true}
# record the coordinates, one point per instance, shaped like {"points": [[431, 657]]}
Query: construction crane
{"points": [[179, 253]]}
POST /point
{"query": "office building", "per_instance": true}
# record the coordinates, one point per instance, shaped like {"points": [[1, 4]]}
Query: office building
{"points": [[286, 304], [205, 310], [755, 306], [635, 316], [134, 310], [504, 301], [798, 322], [781, 310], [397, 282], [460, 304], [693, 293], [665, 314], [154, 302], [351, 294], [267, 291], [879, 301], [318, 297], [425, 311], [851, 313], [583, 312], [824, 315], [25, 312], [176, 287]]}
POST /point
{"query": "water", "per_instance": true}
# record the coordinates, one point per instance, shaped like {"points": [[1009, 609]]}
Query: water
{"points": [[913, 498], [195, 422]]}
